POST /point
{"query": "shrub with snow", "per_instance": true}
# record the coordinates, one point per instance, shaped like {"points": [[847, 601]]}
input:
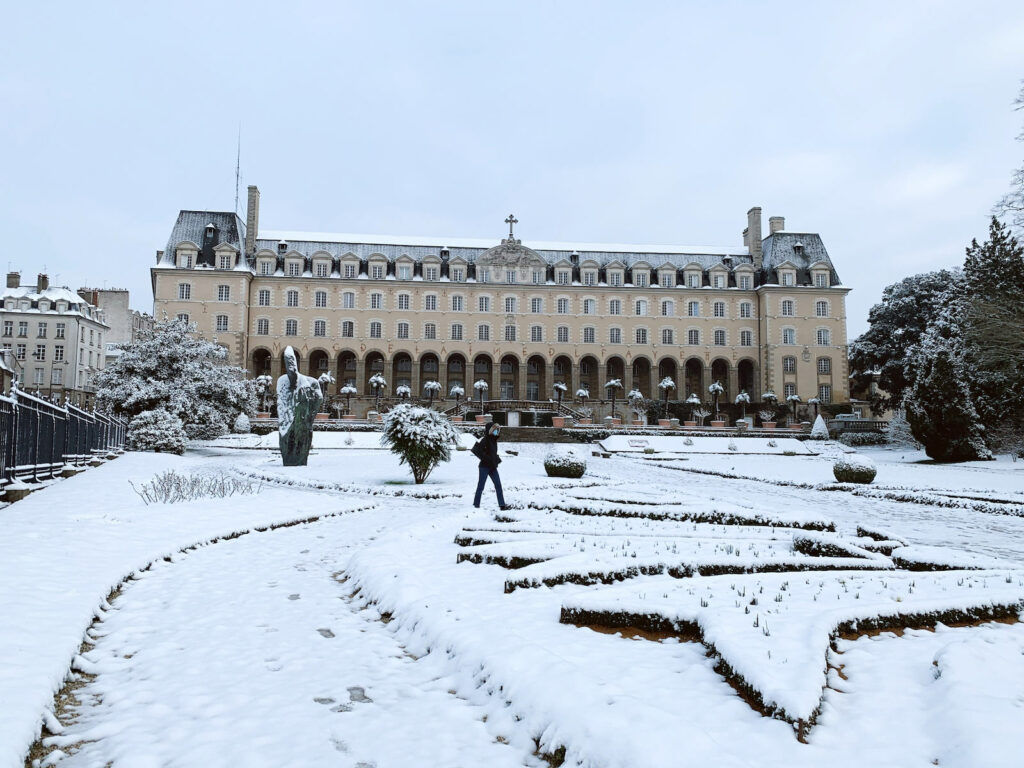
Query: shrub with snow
{"points": [[241, 425], [564, 462], [857, 439], [157, 431], [854, 468], [820, 429], [420, 437]]}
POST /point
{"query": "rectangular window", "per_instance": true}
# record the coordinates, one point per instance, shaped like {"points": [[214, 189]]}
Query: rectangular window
{"points": [[788, 336], [510, 333], [458, 274], [321, 299], [745, 282], [37, 376], [563, 306], [483, 333], [666, 335], [666, 279], [456, 333], [789, 365], [538, 277], [510, 276], [693, 309], [510, 305], [641, 335], [429, 331], [293, 298], [640, 279], [348, 300], [41, 331], [375, 330], [58, 353], [457, 304], [262, 327], [693, 337], [23, 330], [615, 307], [319, 327], [403, 301], [719, 338], [821, 280], [350, 271], [536, 306], [563, 334], [404, 272], [563, 276], [789, 390], [294, 268], [403, 330], [668, 308], [223, 293], [825, 365], [8, 327], [719, 309], [222, 323], [693, 280], [824, 337], [746, 339], [40, 353], [615, 279], [589, 307], [825, 393], [184, 292], [376, 300], [430, 274], [821, 308], [483, 275], [348, 329], [266, 268], [264, 297], [640, 307], [19, 351], [745, 309], [614, 335], [483, 304], [537, 333], [430, 303], [787, 278], [225, 261], [377, 271], [590, 277], [589, 335], [787, 308], [183, 316], [291, 327], [323, 269], [57, 377]]}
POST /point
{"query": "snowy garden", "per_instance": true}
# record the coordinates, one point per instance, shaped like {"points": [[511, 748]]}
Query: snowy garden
{"points": [[684, 601]]}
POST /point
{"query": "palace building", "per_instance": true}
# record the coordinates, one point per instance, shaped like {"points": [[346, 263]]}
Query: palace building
{"points": [[766, 315]]}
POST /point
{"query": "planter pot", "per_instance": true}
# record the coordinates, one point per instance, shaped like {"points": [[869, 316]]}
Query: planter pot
{"points": [[586, 421], [480, 418], [689, 423], [262, 414], [664, 423], [558, 421], [717, 423], [322, 416], [638, 422], [768, 424], [796, 427], [349, 417], [673, 423], [457, 419], [616, 422]]}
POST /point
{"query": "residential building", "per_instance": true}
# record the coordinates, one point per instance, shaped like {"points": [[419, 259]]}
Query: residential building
{"points": [[126, 324]]}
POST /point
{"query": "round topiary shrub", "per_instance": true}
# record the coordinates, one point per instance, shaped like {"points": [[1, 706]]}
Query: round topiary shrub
{"points": [[241, 425], [156, 431], [564, 463], [854, 469]]}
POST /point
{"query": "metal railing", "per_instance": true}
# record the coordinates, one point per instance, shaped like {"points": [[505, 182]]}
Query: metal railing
{"points": [[38, 438]]}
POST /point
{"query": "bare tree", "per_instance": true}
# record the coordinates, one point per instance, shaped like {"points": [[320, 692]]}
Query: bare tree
{"points": [[1011, 206]]}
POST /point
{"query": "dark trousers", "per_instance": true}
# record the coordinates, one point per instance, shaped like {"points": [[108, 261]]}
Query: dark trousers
{"points": [[486, 472]]}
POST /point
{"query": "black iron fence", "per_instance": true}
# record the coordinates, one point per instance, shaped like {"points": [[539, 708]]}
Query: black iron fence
{"points": [[37, 437]]}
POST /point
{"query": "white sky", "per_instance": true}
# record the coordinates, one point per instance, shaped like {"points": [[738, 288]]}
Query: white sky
{"points": [[887, 127]]}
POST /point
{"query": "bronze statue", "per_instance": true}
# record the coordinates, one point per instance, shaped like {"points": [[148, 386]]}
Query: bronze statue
{"points": [[298, 401]]}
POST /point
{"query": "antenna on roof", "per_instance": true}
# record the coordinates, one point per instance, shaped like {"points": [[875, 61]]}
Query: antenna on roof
{"points": [[238, 166]]}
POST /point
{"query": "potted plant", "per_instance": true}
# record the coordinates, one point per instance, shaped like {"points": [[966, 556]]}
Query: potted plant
{"points": [[348, 390], [583, 394], [610, 386], [324, 378], [558, 420], [457, 392], [480, 386], [431, 388], [701, 412], [377, 383], [403, 391], [743, 400], [666, 385], [716, 391], [694, 402], [638, 405], [793, 400], [814, 402], [264, 390], [770, 400]]}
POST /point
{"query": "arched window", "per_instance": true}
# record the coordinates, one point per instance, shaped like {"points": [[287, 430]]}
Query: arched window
{"points": [[510, 305], [589, 335], [746, 339], [563, 306], [589, 307]]}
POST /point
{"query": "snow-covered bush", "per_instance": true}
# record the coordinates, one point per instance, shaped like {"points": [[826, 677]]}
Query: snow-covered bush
{"points": [[241, 425], [206, 422], [820, 429], [264, 389], [403, 391], [157, 431], [857, 439], [899, 433], [564, 462], [170, 487], [854, 469], [420, 437]]}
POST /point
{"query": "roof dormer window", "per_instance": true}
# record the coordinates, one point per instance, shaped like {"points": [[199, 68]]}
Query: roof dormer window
{"points": [[282, 246]]}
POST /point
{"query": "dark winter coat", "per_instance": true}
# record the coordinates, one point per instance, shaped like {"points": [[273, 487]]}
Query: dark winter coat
{"points": [[486, 449]]}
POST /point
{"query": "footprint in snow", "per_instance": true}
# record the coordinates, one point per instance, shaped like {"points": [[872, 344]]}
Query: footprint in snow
{"points": [[323, 700], [358, 695], [326, 633], [293, 597]]}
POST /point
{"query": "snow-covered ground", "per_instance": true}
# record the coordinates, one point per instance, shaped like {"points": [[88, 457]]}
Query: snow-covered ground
{"points": [[386, 633]]}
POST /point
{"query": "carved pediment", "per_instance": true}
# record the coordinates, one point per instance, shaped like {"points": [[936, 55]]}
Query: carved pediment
{"points": [[510, 253]]}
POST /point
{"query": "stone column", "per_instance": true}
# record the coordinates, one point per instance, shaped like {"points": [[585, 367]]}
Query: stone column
{"points": [[521, 382], [414, 381], [733, 386]]}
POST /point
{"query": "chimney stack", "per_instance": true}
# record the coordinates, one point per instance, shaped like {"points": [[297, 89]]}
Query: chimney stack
{"points": [[776, 224], [252, 220], [42, 282], [754, 236], [14, 279]]}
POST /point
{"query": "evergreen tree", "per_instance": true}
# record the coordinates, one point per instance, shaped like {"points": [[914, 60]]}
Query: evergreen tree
{"points": [[171, 370], [896, 325]]}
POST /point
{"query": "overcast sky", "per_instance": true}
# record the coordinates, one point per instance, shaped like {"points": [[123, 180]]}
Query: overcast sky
{"points": [[887, 127]]}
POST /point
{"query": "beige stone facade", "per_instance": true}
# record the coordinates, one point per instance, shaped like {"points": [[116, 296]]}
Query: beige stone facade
{"points": [[767, 315]]}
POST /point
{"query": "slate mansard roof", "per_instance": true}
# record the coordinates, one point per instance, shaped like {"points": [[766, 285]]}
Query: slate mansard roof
{"points": [[802, 250]]}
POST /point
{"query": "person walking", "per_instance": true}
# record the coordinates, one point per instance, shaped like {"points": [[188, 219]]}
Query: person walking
{"points": [[486, 449]]}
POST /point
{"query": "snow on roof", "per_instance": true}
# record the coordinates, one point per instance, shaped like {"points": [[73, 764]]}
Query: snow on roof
{"points": [[537, 245], [51, 294]]}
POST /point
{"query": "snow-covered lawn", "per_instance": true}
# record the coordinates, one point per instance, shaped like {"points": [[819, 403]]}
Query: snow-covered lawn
{"points": [[399, 633]]}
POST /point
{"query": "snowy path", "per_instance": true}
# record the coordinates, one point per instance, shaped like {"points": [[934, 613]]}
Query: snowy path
{"points": [[211, 661]]}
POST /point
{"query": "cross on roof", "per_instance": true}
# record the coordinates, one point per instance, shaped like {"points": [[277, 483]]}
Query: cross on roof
{"points": [[511, 220]]}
